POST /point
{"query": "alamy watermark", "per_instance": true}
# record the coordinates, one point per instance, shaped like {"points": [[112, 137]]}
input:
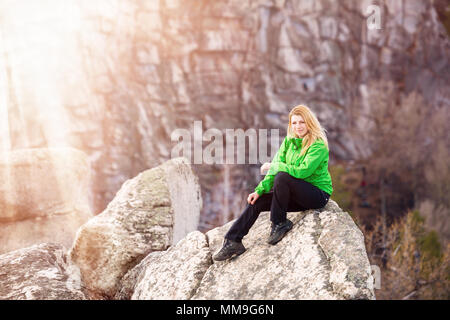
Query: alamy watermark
{"points": [[374, 17], [225, 147]]}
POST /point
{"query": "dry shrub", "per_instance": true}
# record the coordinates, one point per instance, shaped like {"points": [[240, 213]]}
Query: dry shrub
{"points": [[416, 265], [410, 148], [407, 136]]}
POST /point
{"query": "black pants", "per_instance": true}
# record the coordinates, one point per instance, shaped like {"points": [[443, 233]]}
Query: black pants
{"points": [[289, 194]]}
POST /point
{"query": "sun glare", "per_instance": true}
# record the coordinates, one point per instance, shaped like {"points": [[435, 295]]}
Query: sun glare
{"points": [[38, 53], [38, 46]]}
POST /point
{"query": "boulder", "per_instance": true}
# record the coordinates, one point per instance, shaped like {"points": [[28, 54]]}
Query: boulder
{"points": [[40, 272], [43, 196], [152, 280], [322, 257], [148, 213]]}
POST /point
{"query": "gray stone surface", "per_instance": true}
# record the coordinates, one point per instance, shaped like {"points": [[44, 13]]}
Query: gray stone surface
{"points": [[172, 274], [322, 257], [40, 272], [139, 220], [126, 253]]}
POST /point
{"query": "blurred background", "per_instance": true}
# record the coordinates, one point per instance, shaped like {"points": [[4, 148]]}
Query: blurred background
{"points": [[114, 78]]}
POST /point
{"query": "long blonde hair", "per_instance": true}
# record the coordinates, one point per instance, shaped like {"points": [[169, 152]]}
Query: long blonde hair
{"points": [[315, 130]]}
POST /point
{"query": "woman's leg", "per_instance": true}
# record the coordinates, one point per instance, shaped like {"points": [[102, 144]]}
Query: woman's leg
{"points": [[242, 225], [292, 194], [289, 194]]}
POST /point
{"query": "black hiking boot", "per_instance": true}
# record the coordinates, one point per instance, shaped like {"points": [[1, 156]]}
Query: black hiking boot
{"points": [[230, 248], [278, 231]]}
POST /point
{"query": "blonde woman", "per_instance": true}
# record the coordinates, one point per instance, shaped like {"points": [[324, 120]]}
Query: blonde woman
{"points": [[298, 179]]}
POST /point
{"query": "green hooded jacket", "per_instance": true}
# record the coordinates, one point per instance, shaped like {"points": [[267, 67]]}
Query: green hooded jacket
{"points": [[311, 167]]}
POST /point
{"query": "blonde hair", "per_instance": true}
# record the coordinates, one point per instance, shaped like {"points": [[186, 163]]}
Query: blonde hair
{"points": [[315, 130]]}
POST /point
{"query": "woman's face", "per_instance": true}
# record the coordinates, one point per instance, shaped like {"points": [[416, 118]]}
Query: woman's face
{"points": [[298, 125]]}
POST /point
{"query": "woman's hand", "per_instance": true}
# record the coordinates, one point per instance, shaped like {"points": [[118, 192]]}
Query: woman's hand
{"points": [[252, 197], [265, 167]]}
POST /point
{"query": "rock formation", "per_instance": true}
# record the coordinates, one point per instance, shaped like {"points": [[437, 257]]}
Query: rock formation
{"points": [[128, 252], [171, 274], [40, 272], [148, 213], [43, 196], [322, 257]]}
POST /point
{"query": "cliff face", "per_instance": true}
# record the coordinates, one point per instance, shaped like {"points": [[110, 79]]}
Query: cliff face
{"points": [[134, 71], [126, 253]]}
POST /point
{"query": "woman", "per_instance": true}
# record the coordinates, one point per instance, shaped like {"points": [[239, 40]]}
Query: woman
{"points": [[298, 177]]}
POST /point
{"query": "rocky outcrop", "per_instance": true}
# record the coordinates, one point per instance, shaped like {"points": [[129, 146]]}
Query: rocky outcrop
{"points": [[171, 274], [141, 218], [128, 252], [322, 257], [40, 272], [43, 196]]}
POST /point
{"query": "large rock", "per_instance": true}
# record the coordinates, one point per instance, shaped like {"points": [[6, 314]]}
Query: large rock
{"points": [[141, 218], [40, 272], [151, 279], [322, 257], [43, 196]]}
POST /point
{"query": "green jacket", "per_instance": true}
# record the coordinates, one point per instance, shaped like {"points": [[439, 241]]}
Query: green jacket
{"points": [[311, 167]]}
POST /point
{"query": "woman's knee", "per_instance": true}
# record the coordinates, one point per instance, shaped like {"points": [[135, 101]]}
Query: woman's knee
{"points": [[262, 203], [280, 178]]}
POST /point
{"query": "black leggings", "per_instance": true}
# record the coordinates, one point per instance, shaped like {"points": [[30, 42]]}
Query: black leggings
{"points": [[289, 194]]}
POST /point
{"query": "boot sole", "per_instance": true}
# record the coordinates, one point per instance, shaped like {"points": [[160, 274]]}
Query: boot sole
{"points": [[275, 241], [233, 256]]}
